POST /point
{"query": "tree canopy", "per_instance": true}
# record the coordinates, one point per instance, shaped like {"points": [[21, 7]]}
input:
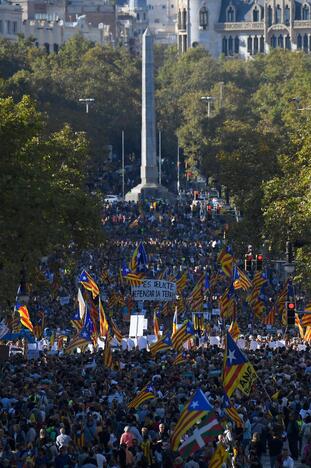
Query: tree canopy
{"points": [[45, 204], [255, 142]]}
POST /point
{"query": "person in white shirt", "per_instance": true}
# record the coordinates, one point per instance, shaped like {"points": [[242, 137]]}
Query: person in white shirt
{"points": [[62, 440], [288, 461]]}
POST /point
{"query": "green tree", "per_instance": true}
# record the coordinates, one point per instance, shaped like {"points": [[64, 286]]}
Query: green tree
{"points": [[45, 203]]}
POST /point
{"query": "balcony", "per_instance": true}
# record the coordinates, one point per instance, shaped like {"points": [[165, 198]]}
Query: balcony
{"points": [[302, 24], [241, 26]]}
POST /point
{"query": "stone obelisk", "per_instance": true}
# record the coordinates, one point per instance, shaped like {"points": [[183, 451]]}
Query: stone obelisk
{"points": [[149, 187]]}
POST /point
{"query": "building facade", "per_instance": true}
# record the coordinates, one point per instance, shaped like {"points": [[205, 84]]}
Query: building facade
{"points": [[243, 28]]}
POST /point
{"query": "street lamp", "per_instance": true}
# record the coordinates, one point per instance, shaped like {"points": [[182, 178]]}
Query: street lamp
{"points": [[87, 102], [209, 100]]}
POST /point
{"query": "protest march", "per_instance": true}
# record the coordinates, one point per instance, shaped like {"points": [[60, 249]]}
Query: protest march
{"points": [[161, 350]]}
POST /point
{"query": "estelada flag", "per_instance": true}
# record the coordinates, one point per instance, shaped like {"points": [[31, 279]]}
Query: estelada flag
{"points": [[196, 409], [238, 372]]}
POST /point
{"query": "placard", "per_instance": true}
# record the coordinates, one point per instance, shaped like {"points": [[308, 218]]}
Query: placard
{"points": [[137, 325], [154, 290]]}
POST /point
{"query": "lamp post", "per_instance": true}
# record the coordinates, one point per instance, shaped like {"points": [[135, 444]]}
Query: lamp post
{"points": [[87, 102], [123, 167], [209, 100], [160, 157]]}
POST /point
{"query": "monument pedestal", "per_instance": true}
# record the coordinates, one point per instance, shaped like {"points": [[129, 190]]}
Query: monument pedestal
{"points": [[148, 191]]}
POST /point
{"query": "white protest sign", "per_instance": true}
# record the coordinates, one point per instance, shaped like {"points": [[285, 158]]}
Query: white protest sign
{"points": [[137, 325], [215, 311], [154, 290]]}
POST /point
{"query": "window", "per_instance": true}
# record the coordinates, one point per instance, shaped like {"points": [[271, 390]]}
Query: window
{"points": [[8, 27], [299, 42], [236, 45], [184, 19], [203, 18], [255, 15], [305, 42], [230, 14], [179, 19], [185, 43], [137, 16], [144, 16], [287, 42], [1, 26], [287, 15], [262, 45], [281, 41], [180, 44], [14, 27], [305, 12], [47, 47], [273, 41], [250, 45], [230, 46], [55, 48], [225, 46], [269, 16], [278, 14], [255, 45]]}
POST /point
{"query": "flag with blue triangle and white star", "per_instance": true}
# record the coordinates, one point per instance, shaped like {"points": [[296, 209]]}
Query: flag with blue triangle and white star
{"points": [[196, 409], [238, 372]]}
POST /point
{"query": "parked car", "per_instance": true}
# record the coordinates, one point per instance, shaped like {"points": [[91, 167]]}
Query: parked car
{"points": [[112, 199]]}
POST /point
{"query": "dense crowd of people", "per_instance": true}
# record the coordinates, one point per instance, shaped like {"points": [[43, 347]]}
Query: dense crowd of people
{"points": [[70, 410]]}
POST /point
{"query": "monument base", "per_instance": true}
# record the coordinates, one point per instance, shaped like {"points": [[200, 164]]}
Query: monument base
{"points": [[149, 192]]}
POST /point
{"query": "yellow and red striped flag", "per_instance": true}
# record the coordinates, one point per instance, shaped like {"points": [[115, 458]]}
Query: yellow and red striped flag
{"points": [[134, 279], [24, 317], [181, 282], [116, 331], [195, 409], [196, 297], [225, 259], [81, 341], [179, 359], [89, 284], [107, 355], [240, 279], [270, 318], [156, 328], [103, 323], [237, 370], [306, 320], [234, 330], [307, 336], [183, 334], [227, 303], [298, 325], [219, 457], [147, 393]]}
